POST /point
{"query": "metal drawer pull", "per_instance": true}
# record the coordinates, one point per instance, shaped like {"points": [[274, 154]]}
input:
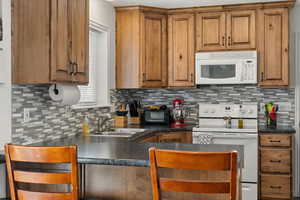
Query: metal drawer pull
{"points": [[275, 187], [275, 141], [275, 161]]}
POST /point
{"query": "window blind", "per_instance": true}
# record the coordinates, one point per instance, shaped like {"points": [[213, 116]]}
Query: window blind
{"points": [[89, 92]]}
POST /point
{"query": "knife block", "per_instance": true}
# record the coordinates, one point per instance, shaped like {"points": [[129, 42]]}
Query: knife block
{"points": [[121, 121]]}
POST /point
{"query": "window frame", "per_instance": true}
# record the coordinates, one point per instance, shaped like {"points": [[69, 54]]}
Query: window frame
{"points": [[106, 30]]}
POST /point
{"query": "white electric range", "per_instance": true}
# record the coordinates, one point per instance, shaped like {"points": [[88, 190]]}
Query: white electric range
{"points": [[218, 124]]}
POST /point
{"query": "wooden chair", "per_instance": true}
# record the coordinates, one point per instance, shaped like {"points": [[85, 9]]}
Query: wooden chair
{"points": [[193, 161], [41, 155]]}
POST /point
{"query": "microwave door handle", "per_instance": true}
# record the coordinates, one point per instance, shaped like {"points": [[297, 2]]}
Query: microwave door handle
{"points": [[239, 71]]}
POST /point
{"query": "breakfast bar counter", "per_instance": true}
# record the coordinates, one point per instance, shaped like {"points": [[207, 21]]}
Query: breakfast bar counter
{"points": [[118, 168], [123, 152]]}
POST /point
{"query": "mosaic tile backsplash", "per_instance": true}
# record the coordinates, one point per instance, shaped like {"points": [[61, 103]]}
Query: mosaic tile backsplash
{"points": [[237, 94], [49, 120]]}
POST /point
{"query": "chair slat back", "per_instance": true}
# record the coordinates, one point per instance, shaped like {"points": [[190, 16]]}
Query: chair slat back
{"points": [[223, 161], [41, 155]]}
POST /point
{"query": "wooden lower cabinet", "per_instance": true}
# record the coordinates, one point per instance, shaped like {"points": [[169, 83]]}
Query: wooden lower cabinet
{"points": [[275, 186], [276, 174], [171, 137], [275, 160]]}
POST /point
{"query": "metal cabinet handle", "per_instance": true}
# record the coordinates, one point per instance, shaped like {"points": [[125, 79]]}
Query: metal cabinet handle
{"points": [[71, 68], [275, 187], [229, 41], [275, 141], [223, 41], [192, 77], [262, 76], [76, 68], [275, 161]]}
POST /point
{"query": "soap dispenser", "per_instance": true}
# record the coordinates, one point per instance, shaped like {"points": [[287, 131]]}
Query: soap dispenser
{"points": [[85, 126]]}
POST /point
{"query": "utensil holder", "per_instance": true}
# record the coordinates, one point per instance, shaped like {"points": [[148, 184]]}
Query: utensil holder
{"points": [[121, 121]]}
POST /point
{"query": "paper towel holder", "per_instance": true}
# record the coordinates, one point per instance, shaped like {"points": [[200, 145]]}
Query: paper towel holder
{"points": [[55, 90]]}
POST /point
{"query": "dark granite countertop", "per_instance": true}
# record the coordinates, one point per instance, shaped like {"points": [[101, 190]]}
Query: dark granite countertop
{"points": [[278, 130], [121, 152]]}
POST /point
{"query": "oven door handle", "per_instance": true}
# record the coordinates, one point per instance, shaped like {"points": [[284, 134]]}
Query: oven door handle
{"points": [[236, 136]]}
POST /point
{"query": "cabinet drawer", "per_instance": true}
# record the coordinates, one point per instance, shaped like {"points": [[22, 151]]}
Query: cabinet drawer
{"points": [[275, 140], [275, 186], [275, 160]]}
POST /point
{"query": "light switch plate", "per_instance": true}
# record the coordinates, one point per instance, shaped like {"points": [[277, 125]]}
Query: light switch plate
{"points": [[26, 115], [262, 108]]}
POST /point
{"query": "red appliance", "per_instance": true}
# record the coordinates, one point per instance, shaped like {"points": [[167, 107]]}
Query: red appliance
{"points": [[178, 113]]}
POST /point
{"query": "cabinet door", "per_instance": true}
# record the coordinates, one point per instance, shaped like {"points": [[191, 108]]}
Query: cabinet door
{"points": [[241, 29], [274, 47], [172, 138], [60, 41], [153, 50], [80, 40], [210, 31], [30, 41], [151, 139], [181, 50]]}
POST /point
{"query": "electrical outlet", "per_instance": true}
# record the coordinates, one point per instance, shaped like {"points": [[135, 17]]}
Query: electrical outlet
{"points": [[68, 111], [262, 108], [26, 115]]}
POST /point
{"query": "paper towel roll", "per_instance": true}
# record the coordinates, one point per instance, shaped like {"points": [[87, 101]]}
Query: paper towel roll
{"points": [[65, 94]]}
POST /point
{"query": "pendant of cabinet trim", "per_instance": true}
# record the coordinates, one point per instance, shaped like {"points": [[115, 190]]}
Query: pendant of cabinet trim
{"points": [[181, 50], [226, 30], [274, 47], [50, 41], [141, 49]]}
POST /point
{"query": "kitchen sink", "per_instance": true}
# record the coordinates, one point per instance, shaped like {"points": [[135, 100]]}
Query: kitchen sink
{"points": [[119, 132]]}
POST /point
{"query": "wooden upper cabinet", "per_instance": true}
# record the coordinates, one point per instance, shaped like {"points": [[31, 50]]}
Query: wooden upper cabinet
{"points": [[211, 31], [61, 41], [226, 30], [30, 41], [154, 50], [241, 29], [141, 49], [80, 40], [181, 50], [57, 50], [274, 47]]}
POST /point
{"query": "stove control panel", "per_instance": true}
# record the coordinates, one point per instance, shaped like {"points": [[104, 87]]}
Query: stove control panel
{"points": [[228, 110]]}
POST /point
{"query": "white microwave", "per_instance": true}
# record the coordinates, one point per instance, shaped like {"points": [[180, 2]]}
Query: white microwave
{"points": [[228, 67]]}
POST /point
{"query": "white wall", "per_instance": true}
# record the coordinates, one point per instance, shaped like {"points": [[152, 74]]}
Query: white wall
{"points": [[5, 88], [295, 71], [103, 13]]}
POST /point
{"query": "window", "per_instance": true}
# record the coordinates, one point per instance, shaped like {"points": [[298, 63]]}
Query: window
{"points": [[96, 93]]}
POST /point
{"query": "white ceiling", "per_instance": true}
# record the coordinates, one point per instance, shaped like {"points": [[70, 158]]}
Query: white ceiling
{"points": [[180, 3]]}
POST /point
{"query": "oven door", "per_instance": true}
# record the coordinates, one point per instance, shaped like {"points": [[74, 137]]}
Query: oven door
{"points": [[218, 72], [250, 142]]}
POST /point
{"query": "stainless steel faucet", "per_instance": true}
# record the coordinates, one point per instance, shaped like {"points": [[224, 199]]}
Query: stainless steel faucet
{"points": [[101, 122]]}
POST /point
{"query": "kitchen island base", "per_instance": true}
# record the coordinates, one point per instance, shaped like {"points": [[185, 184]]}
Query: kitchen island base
{"points": [[134, 183]]}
